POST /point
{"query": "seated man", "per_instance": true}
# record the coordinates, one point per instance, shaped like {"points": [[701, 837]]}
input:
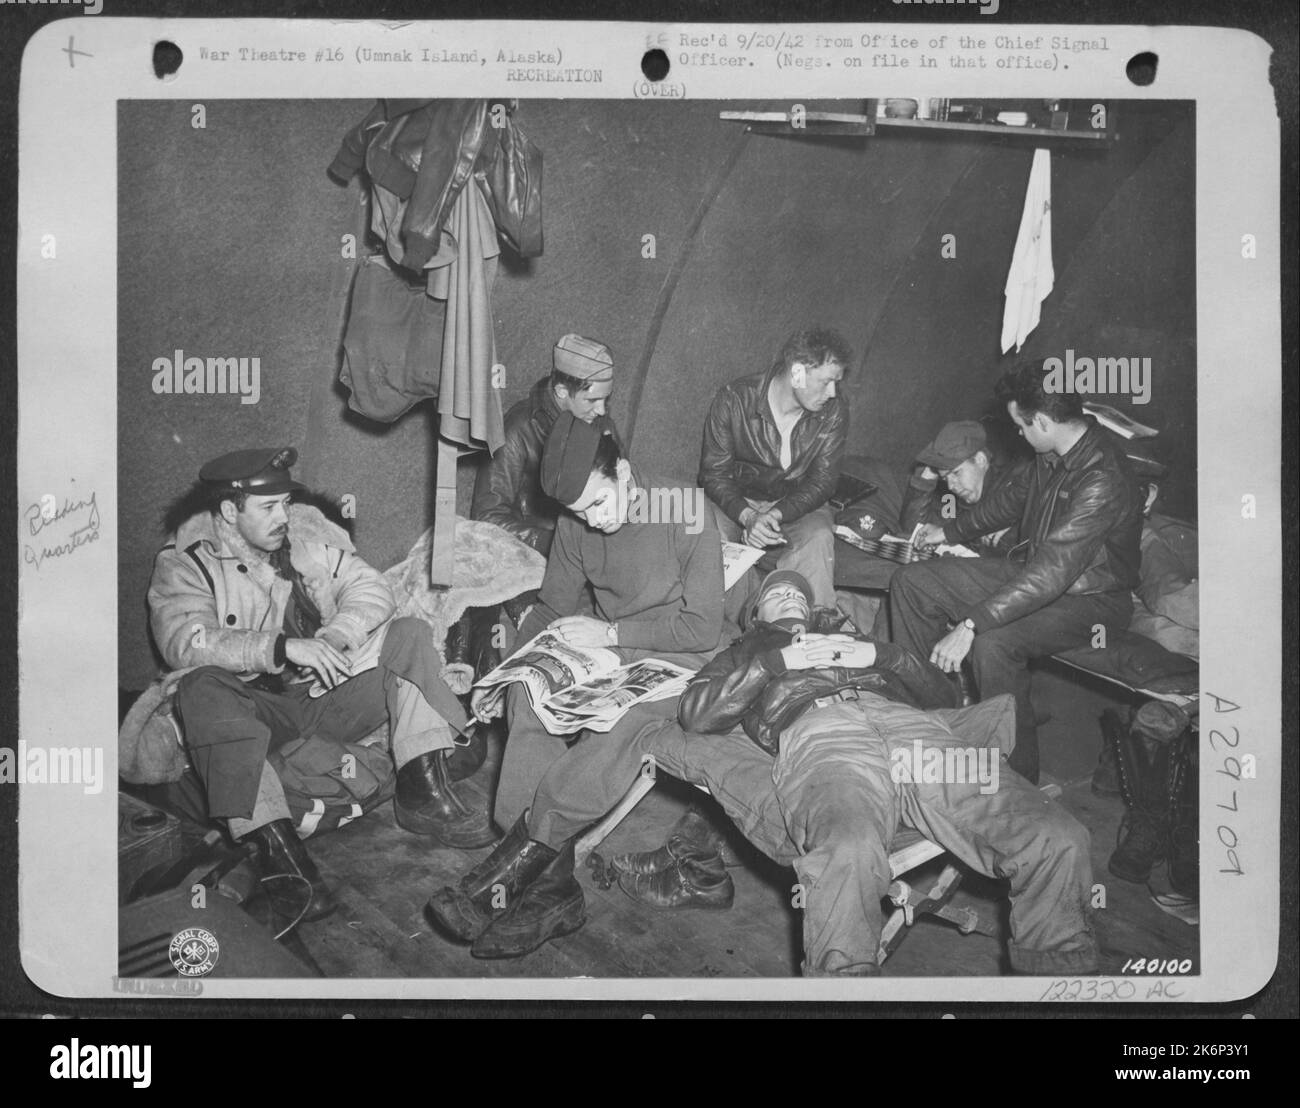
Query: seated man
{"points": [[1078, 513], [507, 488], [771, 456], [618, 578], [259, 602], [839, 729], [967, 460]]}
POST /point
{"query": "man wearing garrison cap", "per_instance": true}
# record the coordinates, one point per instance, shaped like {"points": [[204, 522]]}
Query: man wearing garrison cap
{"points": [[645, 588], [507, 489], [276, 620]]}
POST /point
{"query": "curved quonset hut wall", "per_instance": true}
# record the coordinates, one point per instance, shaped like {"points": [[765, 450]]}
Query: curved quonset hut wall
{"points": [[229, 245]]}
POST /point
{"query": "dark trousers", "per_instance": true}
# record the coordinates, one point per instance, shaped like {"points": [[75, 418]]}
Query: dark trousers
{"points": [[230, 726], [926, 597], [564, 787]]}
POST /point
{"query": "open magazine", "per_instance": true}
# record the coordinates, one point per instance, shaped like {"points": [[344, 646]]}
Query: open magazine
{"points": [[575, 688]]}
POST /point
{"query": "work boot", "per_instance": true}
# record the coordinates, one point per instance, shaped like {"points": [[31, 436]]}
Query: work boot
{"points": [[551, 906], [1144, 832], [289, 876], [426, 804], [1185, 861], [693, 881], [466, 908], [692, 834], [1143, 837]]}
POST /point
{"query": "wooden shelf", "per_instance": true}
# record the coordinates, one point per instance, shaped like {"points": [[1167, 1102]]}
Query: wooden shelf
{"points": [[1039, 133]]}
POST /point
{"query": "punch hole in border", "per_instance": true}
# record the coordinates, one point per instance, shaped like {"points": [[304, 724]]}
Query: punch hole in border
{"points": [[654, 64], [167, 58], [1141, 68]]}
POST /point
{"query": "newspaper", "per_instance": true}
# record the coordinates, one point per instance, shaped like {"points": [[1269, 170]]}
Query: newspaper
{"points": [[575, 688], [736, 560]]}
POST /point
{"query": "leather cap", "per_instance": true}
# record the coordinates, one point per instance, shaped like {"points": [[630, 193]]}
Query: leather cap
{"points": [[262, 472]]}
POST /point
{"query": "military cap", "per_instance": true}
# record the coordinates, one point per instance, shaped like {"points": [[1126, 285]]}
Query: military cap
{"points": [[585, 359], [569, 455], [262, 472]]}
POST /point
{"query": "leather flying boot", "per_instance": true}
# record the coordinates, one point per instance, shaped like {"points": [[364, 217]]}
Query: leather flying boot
{"points": [[692, 834], [281, 857], [693, 881], [551, 906], [1144, 833], [465, 909], [483, 650], [426, 804]]}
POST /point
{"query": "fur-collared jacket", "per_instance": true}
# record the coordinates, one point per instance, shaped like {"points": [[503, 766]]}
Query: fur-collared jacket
{"points": [[214, 602]]}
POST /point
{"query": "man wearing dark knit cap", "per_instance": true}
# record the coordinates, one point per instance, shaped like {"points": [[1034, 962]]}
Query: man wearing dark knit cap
{"points": [[259, 600], [645, 588]]}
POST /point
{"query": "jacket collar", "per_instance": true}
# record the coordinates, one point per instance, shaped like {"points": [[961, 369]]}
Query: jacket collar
{"points": [[1081, 453], [545, 409], [758, 404], [306, 524]]}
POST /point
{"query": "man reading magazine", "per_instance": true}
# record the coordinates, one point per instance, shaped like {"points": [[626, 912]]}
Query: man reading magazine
{"points": [[620, 579]]}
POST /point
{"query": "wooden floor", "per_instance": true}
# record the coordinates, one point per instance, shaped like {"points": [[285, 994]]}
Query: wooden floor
{"points": [[384, 876]]}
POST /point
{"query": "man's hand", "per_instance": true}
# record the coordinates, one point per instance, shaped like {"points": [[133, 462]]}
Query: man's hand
{"points": [[819, 651], [951, 650], [583, 631], [328, 663], [486, 704], [930, 534], [764, 530]]}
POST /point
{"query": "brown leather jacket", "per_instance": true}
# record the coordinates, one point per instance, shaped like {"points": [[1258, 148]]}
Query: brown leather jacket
{"points": [[742, 451], [748, 685], [1080, 524], [507, 489]]}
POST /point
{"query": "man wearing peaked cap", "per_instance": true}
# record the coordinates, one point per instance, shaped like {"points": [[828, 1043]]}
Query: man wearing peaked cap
{"points": [[645, 589], [285, 633], [507, 488]]}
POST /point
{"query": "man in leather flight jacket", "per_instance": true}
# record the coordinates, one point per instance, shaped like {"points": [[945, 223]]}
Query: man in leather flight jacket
{"points": [[508, 490], [1067, 582], [842, 717], [771, 457]]}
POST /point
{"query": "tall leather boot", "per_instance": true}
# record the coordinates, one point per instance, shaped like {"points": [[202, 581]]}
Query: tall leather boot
{"points": [[281, 857], [465, 909], [551, 905], [466, 758], [427, 804], [1144, 832], [469, 650]]}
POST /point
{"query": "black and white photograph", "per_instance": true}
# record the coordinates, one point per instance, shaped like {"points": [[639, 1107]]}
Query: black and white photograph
{"points": [[850, 436], [331, 311]]}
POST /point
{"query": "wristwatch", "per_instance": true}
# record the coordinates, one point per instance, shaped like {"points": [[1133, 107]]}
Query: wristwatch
{"points": [[969, 624]]}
